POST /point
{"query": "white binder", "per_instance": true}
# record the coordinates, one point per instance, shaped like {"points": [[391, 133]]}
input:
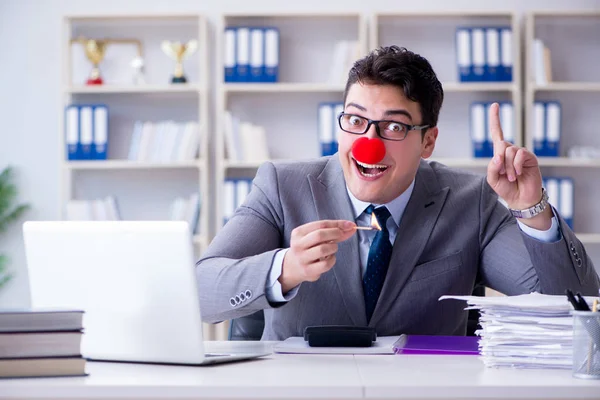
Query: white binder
{"points": [[72, 132], [478, 43], [506, 54], [86, 134], [566, 200], [507, 121], [539, 128], [492, 52], [229, 197], [463, 54], [243, 54], [478, 134], [257, 54], [553, 129]]}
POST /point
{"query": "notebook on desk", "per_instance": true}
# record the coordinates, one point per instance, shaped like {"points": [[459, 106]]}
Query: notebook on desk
{"points": [[430, 344], [134, 280]]}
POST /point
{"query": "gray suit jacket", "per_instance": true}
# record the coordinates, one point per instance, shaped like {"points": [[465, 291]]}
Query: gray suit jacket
{"points": [[453, 234]]}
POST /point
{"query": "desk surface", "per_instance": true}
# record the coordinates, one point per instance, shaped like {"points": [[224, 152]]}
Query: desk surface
{"points": [[297, 376]]}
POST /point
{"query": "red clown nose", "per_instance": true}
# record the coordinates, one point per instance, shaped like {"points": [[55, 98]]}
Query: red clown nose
{"points": [[368, 151]]}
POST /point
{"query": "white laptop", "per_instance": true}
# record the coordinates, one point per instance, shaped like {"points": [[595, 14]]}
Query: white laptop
{"points": [[134, 280]]}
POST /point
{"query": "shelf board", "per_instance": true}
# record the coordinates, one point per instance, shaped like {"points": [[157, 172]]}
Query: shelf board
{"points": [[479, 86], [463, 162], [112, 17], [125, 164], [241, 164], [589, 238], [175, 88], [447, 14], [228, 164], [451, 162], [568, 162], [567, 87], [324, 87], [566, 13], [292, 14], [282, 87]]}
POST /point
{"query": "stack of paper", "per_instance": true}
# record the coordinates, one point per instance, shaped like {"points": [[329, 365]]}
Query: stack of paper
{"points": [[526, 331]]}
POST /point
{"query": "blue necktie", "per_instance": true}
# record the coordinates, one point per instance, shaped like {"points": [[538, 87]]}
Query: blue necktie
{"points": [[378, 261]]}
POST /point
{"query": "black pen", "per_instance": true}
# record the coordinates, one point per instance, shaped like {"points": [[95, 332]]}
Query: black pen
{"points": [[573, 300], [583, 304], [593, 331]]}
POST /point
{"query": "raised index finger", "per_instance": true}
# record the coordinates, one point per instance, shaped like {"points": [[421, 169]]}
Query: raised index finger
{"points": [[495, 128]]}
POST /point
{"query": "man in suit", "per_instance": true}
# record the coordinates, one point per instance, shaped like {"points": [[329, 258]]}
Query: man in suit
{"points": [[293, 249]]}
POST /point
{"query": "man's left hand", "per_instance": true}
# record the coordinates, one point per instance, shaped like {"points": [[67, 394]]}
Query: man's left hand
{"points": [[514, 174]]}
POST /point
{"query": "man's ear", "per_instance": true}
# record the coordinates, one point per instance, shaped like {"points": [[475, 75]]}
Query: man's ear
{"points": [[428, 142]]}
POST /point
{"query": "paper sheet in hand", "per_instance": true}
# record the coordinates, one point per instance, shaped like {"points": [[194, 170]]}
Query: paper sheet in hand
{"points": [[297, 345]]}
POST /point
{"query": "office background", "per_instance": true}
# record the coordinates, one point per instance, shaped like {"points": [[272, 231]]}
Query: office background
{"points": [[31, 98]]}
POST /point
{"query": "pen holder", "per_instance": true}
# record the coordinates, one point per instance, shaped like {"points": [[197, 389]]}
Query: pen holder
{"points": [[586, 344]]}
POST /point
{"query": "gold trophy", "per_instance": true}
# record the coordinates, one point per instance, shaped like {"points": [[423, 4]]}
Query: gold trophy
{"points": [[94, 51], [179, 51]]}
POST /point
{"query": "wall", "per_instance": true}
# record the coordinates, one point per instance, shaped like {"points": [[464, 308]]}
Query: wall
{"points": [[30, 71]]}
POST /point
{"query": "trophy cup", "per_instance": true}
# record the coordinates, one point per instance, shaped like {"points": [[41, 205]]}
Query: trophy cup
{"points": [[94, 51], [178, 52]]}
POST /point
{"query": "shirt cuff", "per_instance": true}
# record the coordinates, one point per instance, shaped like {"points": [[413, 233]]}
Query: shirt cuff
{"points": [[549, 236], [273, 290]]}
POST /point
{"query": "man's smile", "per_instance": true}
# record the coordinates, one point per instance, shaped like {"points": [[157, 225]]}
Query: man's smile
{"points": [[370, 170]]}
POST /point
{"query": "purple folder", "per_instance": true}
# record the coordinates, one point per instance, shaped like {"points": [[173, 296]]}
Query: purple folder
{"points": [[429, 344]]}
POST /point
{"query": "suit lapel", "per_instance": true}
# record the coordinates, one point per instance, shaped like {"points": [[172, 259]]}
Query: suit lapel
{"points": [[332, 202], [417, 222]]}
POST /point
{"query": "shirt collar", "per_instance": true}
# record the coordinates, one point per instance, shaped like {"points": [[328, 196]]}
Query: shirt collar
{"points": [[395, 207]]}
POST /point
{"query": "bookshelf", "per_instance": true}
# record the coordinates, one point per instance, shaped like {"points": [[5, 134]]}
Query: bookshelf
{"points": [[433, 35], [154, 100], [288, 108], [143, 189], [569, 35]]}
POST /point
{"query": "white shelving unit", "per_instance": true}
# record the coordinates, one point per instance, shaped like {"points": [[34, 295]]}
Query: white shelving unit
{"points": [[432, 35], [572, 38], [287, 109], [135, 184]]}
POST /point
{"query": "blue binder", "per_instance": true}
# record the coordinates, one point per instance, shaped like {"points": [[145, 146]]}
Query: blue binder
{"points": [[464, 55], [326, 120], [553, 129], [539, 129], [478, 130], [72, 128], [257, 55], [100, 132], [242, 56], [478, 54], [506, 55], [492, 54], [271, 55], [230, 55], [86, 132]]}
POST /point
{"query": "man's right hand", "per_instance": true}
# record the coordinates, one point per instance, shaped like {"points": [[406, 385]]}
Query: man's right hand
{"points": [[312, 251]]}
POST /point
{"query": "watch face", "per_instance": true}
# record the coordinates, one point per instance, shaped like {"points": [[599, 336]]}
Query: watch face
{"points": [[532, 211]]}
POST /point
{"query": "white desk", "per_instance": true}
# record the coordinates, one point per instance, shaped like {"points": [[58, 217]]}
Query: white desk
{"points": [[285, 376]]}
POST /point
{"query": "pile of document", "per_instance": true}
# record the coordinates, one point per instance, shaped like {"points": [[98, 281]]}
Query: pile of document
{"points": [[526, 331]]}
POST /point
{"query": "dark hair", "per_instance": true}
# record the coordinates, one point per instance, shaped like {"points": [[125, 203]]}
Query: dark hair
{"points": [[406, 70]]}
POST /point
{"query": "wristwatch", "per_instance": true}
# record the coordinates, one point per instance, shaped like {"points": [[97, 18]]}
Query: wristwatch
{"points": [[534, 210]]}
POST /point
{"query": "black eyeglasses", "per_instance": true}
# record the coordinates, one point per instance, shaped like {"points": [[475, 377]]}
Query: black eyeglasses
{"points": [[389, 130]]}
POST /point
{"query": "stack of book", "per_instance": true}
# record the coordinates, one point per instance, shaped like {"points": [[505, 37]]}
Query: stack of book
{"points": [[526, 331], [36, 343]]}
